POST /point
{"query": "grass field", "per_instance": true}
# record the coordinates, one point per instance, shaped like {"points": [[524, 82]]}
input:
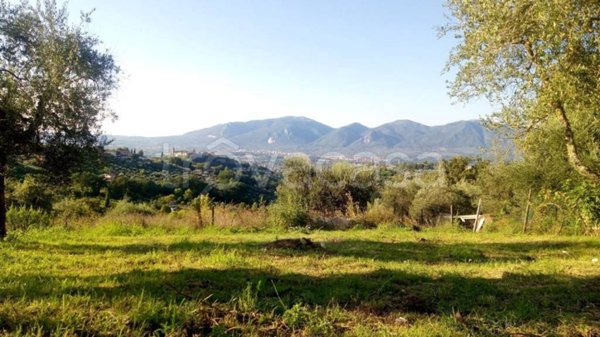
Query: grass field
{"points": [[132, 281]]}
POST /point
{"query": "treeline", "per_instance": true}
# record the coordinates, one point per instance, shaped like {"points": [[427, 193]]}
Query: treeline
{"points": [[333, 196], [34, 197], [372, 195]]}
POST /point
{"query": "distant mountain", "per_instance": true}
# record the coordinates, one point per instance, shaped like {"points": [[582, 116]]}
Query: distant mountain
{"points": [[341, 137], [300, 134]]}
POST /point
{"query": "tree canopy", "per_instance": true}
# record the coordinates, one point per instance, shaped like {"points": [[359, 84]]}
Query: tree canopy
{"points": [[54, 86], [539, 61]]}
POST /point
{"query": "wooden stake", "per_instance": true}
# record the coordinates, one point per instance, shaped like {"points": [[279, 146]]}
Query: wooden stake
{"points": [[527, 207], [477, 215], [451, 215], [212, 215]]}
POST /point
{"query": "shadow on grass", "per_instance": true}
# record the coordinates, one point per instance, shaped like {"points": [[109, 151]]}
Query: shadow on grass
{"points": [[430, 252], [516, 298], [440, 252], [512, 299]]}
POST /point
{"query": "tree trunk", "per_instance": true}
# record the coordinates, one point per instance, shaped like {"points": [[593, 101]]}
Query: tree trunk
{"points": [[2, 202], [3, 165], [572, 151]]}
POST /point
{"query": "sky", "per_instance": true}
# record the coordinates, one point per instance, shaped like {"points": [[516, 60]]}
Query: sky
{"points": [[190, 64]]}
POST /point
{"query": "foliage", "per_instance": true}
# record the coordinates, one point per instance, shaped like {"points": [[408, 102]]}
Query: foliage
{"points": [[288, 212], [23, 218], [72, 209], [398, 196], [143, 179], [55, 88], [138, 188], [297, 184], [343, 187], [123, 207], [504, 186], [87, 184], [339, 188], [460, 168], [203, 205], [32, 192], [581, 201], [433, 201], [540, 62], [378, 213]]}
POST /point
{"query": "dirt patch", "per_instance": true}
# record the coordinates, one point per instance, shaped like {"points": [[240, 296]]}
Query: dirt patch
{"points": [[299, 244]]}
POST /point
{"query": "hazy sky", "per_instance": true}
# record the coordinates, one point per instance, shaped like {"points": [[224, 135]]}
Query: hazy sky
{"points": [[190, 64]]}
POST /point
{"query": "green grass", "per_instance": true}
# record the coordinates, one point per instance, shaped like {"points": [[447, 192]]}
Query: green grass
{"points": [[111, 280]]}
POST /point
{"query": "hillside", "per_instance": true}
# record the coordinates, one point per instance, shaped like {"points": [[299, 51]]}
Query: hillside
{"points": [[300, 134]]}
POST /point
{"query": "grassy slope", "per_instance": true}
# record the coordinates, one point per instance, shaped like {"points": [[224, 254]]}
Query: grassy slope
{"points": [[108, 281]]}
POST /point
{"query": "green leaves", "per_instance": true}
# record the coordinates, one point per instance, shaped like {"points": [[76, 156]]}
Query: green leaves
{"points": [[55, 80], [54, 88], [530, 57]]}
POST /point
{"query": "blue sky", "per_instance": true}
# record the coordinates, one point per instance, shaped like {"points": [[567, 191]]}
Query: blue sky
{"points": [[192, 64]]}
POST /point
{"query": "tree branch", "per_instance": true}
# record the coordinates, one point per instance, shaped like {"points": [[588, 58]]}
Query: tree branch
{"points": [[2, 70], [572, 150], [535, 123]]}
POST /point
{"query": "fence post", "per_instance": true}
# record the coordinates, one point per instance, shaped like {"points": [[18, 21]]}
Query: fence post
{"points": [[212, 215], [199, 210], [451, 215], [477, 215], [527, 207]]}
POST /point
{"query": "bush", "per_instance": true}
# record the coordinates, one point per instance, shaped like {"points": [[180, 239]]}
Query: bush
{"points": [[287, 215], [32, 192], [68, 209], [23, 218], [378, 213], [165, 203], [432, 201], [124, 207], [398, 196]]}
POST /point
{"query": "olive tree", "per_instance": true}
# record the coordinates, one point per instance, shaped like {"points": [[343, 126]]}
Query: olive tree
{"points": [[54, 86], [539, 62]]}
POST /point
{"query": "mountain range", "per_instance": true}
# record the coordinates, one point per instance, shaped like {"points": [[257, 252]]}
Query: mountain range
{"points": [[301, 134]]}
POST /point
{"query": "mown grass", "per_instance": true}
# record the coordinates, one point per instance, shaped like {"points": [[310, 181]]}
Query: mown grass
{"points": [[134, 281]]}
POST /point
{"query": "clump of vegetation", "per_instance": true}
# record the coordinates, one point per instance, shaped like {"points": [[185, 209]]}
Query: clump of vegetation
{"points": [[378, 213], [433, 201], [23, 218], [125, 207]]}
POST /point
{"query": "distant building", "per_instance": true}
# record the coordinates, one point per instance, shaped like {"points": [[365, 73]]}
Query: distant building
{"points": [[182, 153]]}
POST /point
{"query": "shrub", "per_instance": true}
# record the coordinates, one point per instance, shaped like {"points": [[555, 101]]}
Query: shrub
{"points": [[432, 201], [23, 218], [283, 214], [32, 192], [399, 197], [378, 213], [68, 209], [124, 207]]}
